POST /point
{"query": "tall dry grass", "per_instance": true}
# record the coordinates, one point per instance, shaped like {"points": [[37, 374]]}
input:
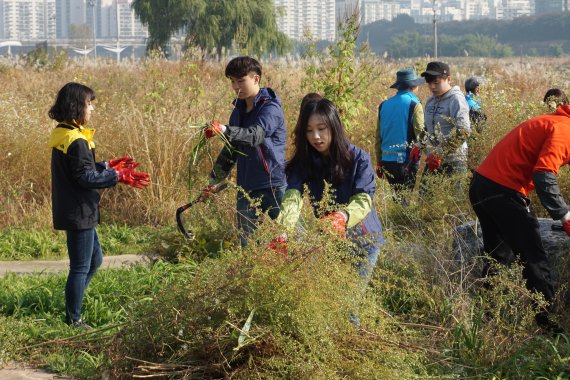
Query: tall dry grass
{"points": [[144, 110]]}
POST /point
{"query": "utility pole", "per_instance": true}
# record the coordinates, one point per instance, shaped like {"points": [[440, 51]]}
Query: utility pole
{"points": [[92, 4], [118, 30], [434, 30]]}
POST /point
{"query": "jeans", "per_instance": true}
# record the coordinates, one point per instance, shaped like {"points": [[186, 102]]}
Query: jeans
{"points": [[247, 214], [368, 256], [85, 256]]}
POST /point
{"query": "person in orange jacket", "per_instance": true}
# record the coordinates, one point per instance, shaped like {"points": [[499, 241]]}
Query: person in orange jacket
{"points": [[527, 158]]}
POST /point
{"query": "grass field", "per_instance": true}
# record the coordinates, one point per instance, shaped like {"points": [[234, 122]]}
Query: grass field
{"points": [[212, 310]]}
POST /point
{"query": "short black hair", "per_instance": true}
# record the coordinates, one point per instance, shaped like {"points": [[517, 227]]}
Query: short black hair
{"points": [[241, 66], [472, 83], [70, 103], [555, 95]]}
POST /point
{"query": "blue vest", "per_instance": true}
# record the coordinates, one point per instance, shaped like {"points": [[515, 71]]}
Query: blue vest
{"points": [[396, 123]]}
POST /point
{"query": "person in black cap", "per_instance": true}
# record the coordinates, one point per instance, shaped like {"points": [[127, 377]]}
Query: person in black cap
{"points": [[400, 120], [446, 122]]}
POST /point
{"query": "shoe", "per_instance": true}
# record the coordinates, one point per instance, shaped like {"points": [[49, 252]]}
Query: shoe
{"points": [[81, 325], [548, 325]]}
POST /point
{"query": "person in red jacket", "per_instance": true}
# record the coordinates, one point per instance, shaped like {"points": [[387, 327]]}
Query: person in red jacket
{"points": [[527, 158]]}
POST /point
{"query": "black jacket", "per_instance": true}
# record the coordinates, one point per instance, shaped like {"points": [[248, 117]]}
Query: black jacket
{"points": [[75, 178]]}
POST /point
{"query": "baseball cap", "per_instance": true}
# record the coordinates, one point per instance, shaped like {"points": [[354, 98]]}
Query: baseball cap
{"points": [[436, 69]]}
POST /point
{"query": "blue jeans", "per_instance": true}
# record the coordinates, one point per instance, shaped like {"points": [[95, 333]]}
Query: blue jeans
{"points": [[85, 256], [368, 256], [247, 214]]}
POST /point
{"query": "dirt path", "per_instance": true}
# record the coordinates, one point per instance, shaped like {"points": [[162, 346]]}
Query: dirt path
{"points": [[53, 266], [21, 372]]}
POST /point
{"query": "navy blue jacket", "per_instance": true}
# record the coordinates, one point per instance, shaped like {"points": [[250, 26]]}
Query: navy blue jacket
{"points": [[75, 178], [259, 136], [360, 179]]}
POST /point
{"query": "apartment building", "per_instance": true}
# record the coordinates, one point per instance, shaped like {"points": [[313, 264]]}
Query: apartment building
{"points": [[27, 19], [298, 17]]}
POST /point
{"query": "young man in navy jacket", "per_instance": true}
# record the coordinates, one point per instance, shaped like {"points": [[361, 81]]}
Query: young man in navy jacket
{"points": [[256, 131]]}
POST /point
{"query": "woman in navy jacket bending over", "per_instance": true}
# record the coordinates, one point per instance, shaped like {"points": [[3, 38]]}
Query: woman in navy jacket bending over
{"points": [[322, 154]]}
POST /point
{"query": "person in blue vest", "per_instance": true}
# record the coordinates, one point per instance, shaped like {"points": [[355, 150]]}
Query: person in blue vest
{"points": [[324, 155], [256, 131], [400, 122]]}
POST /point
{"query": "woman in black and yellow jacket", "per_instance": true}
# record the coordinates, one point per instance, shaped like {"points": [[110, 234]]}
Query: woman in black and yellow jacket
{"points": [[76, 178]]}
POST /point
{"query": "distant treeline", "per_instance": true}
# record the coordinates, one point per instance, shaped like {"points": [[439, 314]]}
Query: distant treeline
{"points": [[545, 35]]}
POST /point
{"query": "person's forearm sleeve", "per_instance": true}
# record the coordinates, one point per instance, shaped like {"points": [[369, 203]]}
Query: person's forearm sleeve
{"points": [[548, 192], [223, 165], [249, 136], [290, 209], [418, 120], [358, 207]]}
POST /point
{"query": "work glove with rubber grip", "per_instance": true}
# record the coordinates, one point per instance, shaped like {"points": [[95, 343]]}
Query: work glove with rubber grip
{"points": [[379, 171], [415, 154], [279, 245], [129, 176], [120, 162], [433, 162], [566, 223], [208, 191], [213, 129], [337, 221]]}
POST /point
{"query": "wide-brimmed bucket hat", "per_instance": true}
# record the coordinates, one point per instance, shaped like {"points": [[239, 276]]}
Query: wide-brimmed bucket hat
{"points": [[407, 78]]}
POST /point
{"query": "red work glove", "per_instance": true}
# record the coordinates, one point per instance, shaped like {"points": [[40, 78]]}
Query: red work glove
{"points": [[566, 226], [379, 171], [208, 191], [129, 176], [279, 245], [433, 162], [121, 162], [338, 221], [415, 154], [566, 223], [213, 129]]}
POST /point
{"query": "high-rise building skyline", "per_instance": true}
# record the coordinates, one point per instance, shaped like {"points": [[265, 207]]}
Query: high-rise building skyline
{"points": [[27, 20], [33, 20], [298, 17]]}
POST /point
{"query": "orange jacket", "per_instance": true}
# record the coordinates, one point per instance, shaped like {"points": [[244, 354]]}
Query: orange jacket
{"points": [[541, 144]]}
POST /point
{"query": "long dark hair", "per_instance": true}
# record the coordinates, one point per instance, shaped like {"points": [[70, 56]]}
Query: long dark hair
{"points": [[71, 102], [340, 158]]}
